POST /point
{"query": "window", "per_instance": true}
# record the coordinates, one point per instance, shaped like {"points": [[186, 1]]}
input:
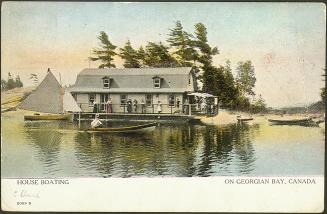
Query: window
{"points": [[123, 99], [156, 82], [148, 100], [106, 83], [171, 100], [92, 98], [189, 80]]}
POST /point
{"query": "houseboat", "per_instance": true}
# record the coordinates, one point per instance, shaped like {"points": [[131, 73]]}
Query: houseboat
{"points": [[140, 91]]}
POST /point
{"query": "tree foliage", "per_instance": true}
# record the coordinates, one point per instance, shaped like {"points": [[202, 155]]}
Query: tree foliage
{"points": [[187, 49], [183, 45], [259, 105], [204, 56], [246, 77], [130, 56], [11, 83], [105, 53], [157, 55], [206, 52]]}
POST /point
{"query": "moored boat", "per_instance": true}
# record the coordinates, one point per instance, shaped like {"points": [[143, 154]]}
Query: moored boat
{"points": [[244, 119], [48, 117], [291, 121], [143, 127]]}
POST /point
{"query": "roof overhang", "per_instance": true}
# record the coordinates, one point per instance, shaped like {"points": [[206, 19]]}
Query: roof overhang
{"points": [[204, 95]]}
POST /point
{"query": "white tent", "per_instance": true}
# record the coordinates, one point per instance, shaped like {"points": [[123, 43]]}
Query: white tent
{"points": [[49, 97], [69, 103]]}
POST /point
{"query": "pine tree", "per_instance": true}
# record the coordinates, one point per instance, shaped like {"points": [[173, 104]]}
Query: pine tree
{"points": [[130, 56], [157, 55], [141, 55], [206, 52], [201, 42], [183, 44], [18, 82], [106, 52], [3, 84], [10, 82]]}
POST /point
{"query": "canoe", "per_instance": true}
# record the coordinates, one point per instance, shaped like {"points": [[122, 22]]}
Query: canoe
{"points": [[290, 121], [48, 117], [244, 119], [143, 127]]}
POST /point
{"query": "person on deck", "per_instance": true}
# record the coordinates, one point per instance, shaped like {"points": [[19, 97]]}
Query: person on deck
{"points": [[178, 102], [129, 106], [186, 107], [135, 105], [95, 107], [96, 122], [159, 108], [143, 106], [109, 106], [203, 106]]}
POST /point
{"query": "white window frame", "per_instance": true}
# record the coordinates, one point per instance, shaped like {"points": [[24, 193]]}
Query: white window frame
{"points": [[151, 100], [126, 98], [92, 100], [106, 83], [174, 96], [157, 82]]}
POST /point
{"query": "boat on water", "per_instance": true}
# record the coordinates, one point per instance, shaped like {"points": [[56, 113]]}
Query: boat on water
{"points": [[292, 121], [243, 119], [48, 117], [143, 127]]}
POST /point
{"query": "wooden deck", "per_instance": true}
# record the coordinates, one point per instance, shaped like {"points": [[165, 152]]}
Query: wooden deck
{"points": [[87, 116]]}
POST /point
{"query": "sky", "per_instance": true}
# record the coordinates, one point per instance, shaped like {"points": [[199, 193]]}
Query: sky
{"points": [[284, 41]]}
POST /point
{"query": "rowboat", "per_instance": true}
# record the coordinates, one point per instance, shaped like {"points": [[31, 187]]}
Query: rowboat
{"points": [[291, 121], [48, 117], [244, 119], [143, 127]]}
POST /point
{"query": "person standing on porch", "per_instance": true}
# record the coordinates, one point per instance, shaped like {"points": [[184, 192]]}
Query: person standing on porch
{"points": [[95, 107], [109, 105], [186, 106], [129, 106], [159, 108], [178, 103], [135, 105], [143, 106], [203, 106]]}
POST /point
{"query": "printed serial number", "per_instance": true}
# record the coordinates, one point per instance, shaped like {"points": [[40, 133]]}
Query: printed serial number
{"points": [[24, 203]]}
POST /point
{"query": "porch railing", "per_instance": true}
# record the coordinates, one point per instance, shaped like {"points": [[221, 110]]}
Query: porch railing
{"points": [[182, 109]]}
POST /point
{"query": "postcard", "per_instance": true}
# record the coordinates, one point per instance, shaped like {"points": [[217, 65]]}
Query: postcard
{"points": [[163, 106]]}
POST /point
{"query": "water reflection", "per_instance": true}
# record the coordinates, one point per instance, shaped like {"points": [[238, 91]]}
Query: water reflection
{"points": [[54, 149], [45, 138], [170, 150]]}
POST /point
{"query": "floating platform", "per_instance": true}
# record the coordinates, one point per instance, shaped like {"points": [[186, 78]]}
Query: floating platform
{"points": [[169, 118]]}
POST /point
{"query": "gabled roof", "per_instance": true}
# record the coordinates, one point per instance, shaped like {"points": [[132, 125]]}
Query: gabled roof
{"points": [[135, 71], [134, 80], [47, 97]]}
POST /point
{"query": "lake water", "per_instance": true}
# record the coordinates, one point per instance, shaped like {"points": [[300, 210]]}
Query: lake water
{"points": [[57, 149]]}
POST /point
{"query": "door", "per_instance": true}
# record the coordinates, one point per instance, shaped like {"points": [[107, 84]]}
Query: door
{"points": [[103, 99]]}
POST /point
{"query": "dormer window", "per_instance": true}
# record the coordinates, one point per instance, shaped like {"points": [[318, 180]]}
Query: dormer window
{"points": [[156, 82], [106, 82]]}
